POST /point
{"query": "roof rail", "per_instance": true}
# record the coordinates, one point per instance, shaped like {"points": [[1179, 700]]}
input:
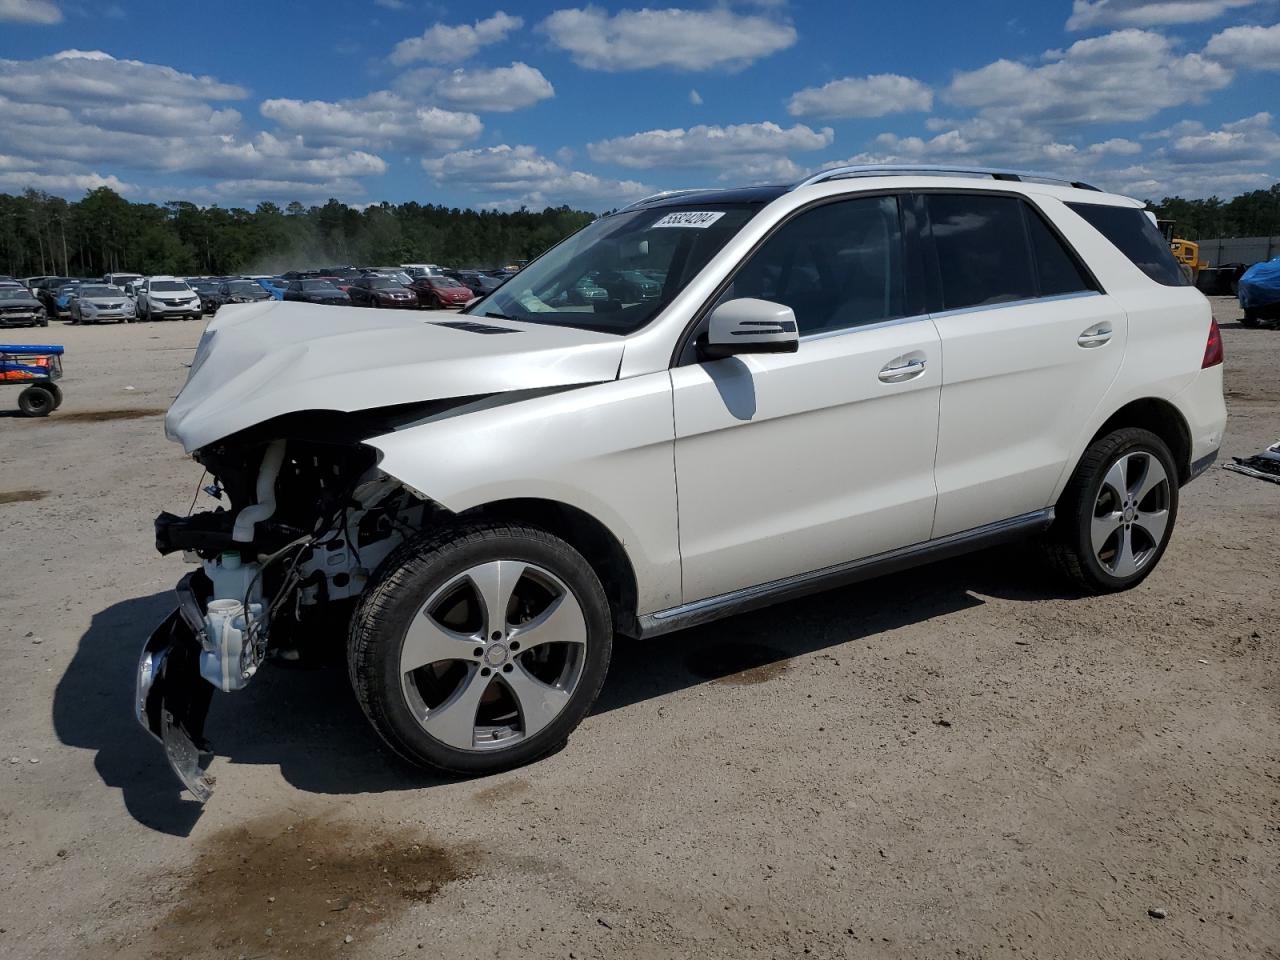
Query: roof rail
{"points": [[891, 169], [658, 196]]}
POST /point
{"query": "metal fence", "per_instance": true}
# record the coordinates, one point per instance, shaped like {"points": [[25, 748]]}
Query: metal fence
{"points": [[1246, 250]]}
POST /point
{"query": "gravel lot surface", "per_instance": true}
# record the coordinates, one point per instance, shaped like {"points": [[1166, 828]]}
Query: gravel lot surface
{"points": [[960, 761]]}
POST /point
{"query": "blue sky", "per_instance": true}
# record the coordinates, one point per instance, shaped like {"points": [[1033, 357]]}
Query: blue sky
{"points": [[594, 104]]}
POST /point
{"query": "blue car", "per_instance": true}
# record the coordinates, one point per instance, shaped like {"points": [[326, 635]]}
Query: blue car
{"points": [[1259, 293], [274, 286]]}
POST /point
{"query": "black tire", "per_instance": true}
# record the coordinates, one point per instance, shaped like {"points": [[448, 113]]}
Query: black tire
{"points": [[395, 596], [1250, 319], [43, 321], [1068, 543], [36, 401], [56, 391]]}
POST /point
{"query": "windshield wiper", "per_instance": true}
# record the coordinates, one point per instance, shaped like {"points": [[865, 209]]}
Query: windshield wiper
{"points": [[498, 316]]}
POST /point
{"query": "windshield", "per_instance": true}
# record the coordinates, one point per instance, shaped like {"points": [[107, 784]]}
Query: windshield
{"points": [[445, 282], [384, 283], [617, 274], [14, 293], [169, 286], [319, 285], [247, 288], [99, 291]]}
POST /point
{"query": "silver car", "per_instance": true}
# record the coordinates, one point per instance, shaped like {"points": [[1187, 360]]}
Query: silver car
{"points": [[100, 303]]}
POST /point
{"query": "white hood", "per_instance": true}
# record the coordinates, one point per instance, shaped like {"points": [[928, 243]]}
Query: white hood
{"points": [[261, 360]]}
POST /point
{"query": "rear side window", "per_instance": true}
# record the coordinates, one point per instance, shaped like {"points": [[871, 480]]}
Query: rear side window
{"points": [[1133, 233], [983, 255], [1059, 271]]}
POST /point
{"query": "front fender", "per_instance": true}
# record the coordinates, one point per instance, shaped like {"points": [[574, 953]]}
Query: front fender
{"points": [[605, 448]]}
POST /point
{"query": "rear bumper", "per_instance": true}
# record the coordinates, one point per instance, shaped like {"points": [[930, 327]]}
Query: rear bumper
{"points": [[1205, 410]]}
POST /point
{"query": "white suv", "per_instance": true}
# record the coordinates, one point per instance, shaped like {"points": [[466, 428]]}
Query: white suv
{"points": [[780, 390], [167, 298]]}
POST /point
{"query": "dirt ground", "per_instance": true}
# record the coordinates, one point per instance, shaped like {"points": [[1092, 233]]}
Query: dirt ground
{"points": [[961, 761]]}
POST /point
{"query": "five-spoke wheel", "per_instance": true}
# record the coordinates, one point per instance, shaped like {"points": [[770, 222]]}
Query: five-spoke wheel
{"points": [[1116, 515], [480, 648], [494, 655]]}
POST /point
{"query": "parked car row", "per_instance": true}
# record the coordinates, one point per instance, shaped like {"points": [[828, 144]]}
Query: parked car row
{"points": [[123, 297]]}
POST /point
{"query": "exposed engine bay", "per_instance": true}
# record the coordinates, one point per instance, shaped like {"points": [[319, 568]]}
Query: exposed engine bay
{"points": [[301, 526]]}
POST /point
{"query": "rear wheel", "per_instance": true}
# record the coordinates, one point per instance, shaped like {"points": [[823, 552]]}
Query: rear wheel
{"points": [[36, 401], [1117, 514], [480, 648], [57, 393], [1250, 319]]}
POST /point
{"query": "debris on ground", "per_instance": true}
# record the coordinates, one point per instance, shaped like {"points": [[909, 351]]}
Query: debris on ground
{"points": [[1264, 466]]}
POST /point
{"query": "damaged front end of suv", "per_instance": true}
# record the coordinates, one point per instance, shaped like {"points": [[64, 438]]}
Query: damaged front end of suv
{"points": [[307, 518], [277, 409]]}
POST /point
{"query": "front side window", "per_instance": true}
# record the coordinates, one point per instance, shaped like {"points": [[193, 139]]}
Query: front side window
{"points": [[1135, 234], [618, 273], [837, 266]]}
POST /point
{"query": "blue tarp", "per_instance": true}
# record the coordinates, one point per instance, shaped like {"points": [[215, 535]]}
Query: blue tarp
{"points": [[1260, 285]]}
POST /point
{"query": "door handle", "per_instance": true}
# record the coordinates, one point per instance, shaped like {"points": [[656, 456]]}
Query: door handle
{"points": [[1095, 336], [895, 372]]}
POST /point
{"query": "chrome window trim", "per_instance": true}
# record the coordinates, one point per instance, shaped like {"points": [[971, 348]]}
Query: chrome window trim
{"points": [[1016, 303], [877, 325]]}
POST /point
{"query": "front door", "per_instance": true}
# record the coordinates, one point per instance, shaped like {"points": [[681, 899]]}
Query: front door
{"points": [[789, 463]]}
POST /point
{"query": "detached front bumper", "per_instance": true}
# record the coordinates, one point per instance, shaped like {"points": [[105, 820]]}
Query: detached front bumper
{"points": [[172, 697]]}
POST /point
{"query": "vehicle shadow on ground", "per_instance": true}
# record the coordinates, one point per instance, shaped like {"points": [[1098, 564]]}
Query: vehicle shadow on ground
{"points": [[305, 720]]}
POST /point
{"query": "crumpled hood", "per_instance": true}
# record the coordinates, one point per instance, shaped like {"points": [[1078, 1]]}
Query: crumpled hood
{"points": [[262, 360]]}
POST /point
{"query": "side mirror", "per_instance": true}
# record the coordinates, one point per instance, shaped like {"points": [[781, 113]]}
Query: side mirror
{"points": [[748, 325]]}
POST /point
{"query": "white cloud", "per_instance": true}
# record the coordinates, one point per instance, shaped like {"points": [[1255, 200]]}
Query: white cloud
{"points": [[442, 43], [1126, 75], [1087, 14], [379, 119], [692, 40], [1247, 48], [530, 178], [728, 147], [61, 183], [1115, 147], [392, 4], [30, 11], [873, 96], [498, 90], [80, 78], [695, 98]]}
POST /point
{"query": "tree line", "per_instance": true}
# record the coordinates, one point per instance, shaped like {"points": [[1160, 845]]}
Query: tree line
{"points": [[41, 234], [1253, 214]]}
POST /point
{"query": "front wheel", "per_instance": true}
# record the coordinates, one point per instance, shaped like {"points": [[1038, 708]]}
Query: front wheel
{"points": [[480, 648], [1117, 514]]}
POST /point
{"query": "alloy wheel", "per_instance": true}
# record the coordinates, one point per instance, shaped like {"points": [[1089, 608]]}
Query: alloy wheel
{"points": [[494, 655], [1130, 514]]}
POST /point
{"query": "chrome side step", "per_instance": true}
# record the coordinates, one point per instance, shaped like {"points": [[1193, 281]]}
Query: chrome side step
{"points": [[765, 594]]}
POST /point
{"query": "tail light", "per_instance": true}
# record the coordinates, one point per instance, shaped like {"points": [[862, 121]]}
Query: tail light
{"points": [[1212, 349]]}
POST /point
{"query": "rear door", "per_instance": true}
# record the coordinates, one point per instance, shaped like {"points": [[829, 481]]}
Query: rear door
{"points": [[1030, 345], [788, 463]]}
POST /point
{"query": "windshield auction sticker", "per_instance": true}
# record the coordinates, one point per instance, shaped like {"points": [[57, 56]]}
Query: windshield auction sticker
{"points": [[690, 218]]}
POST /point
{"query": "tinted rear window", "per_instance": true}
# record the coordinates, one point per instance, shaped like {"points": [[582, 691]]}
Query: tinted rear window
{"points": [[1060, 272], [983, 257], [1133, 233]]}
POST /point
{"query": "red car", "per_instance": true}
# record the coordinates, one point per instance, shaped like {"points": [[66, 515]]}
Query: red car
{"points": [[440, 292]]}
